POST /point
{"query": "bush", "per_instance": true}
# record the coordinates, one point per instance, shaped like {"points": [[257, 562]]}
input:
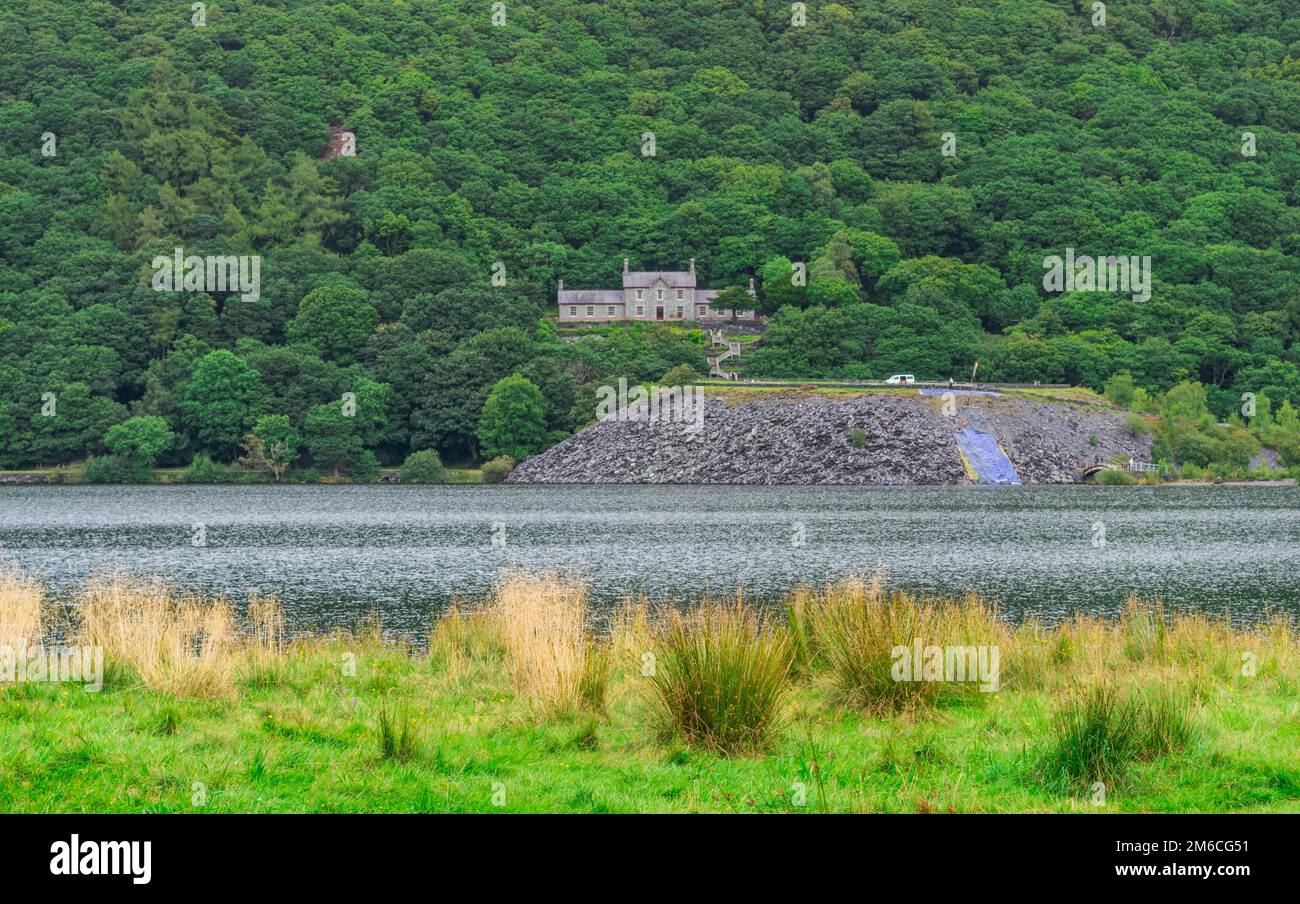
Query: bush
{"points": [[1119, 389], [681, 375], [1113, 478], [498, 469], [720, 679], [114, 469], [424, 466], [1136, 425], [858, 437], [203, 469]]}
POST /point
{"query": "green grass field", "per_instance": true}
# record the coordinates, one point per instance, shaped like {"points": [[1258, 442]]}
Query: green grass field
{"points": [[353, 724], [311, 743]]}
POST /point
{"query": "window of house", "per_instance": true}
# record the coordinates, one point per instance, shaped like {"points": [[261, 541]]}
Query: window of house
{"points": [[573, 311], [640, 310], [659, 294], [700, 309], [679, 310], [591, 312], [681, 293], [640, 293], [611, 310]]}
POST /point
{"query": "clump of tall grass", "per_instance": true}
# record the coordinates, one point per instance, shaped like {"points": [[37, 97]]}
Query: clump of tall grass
{"points": [[22, 610], [264, 663], [1144, 629], [543, 624], [799, 625], [720, 678], [1099, 730], [858, 626], [398, 741], [180, 645]]}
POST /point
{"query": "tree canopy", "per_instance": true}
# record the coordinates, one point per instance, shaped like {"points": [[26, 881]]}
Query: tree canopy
{"points": [[893, 174]]}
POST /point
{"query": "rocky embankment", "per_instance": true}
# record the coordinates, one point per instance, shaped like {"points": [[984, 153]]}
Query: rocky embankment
{"points": [[865, 439]]}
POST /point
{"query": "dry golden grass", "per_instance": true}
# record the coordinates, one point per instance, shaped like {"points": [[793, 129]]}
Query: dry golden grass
{"points": [[22, 610], [180, 645], [263, 661], [543, 624]]}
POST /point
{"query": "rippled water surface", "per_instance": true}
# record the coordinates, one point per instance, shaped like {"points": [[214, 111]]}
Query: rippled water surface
{"points": [[335, 553]]}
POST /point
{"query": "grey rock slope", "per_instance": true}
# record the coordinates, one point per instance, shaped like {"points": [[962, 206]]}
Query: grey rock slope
{"points": [[906, 440]]}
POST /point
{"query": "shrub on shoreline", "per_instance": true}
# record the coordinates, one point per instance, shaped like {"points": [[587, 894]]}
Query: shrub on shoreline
{"points": [[498, 469], [424, 466]]}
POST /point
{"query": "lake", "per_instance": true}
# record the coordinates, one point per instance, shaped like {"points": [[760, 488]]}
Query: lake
{"points": [[335, 553]]}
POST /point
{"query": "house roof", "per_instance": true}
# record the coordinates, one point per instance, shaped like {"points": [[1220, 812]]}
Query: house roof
{"points": [[675, 279]]}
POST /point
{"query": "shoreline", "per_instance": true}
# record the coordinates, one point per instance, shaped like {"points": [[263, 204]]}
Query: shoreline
{"points": [[41, 478]]}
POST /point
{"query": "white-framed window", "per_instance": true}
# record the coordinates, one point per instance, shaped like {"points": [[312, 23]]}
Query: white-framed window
{"points": [[611, 310], [573, 310], [681, 293], [640, 294], [701, 309], [640, 310], [659, 294], [679, 310], [591, 312]]}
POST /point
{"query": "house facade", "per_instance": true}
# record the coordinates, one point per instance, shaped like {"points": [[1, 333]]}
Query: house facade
{"points": [[659, 295]]}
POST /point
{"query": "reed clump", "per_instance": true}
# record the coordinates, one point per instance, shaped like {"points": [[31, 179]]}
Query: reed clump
{"points": [[22, 610], [1099, 729], [864, 632], [543, 623], [177, 644], [264, 663], [720, 678]]}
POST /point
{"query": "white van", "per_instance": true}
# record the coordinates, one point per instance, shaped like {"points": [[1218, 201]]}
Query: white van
{"points": [[901, 380]]}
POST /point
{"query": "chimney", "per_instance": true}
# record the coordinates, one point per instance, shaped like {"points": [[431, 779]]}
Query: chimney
{"points": [[559, 286], [752, 293], [692, 266], [624, 265]]}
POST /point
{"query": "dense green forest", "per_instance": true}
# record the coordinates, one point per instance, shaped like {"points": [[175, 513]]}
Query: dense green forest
{"points": [[919, 159]]}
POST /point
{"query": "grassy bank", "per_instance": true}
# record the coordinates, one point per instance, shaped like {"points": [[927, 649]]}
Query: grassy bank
{"points": [[523, 703]]}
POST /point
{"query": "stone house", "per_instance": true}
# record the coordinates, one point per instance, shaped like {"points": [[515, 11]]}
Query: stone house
{"points": [[646, 295]]}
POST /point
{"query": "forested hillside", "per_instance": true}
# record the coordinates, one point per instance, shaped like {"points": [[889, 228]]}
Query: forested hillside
{"points": [[919, 158]]}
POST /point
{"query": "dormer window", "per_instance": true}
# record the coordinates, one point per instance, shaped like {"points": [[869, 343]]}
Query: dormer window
{"points": [[659, 294]]}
